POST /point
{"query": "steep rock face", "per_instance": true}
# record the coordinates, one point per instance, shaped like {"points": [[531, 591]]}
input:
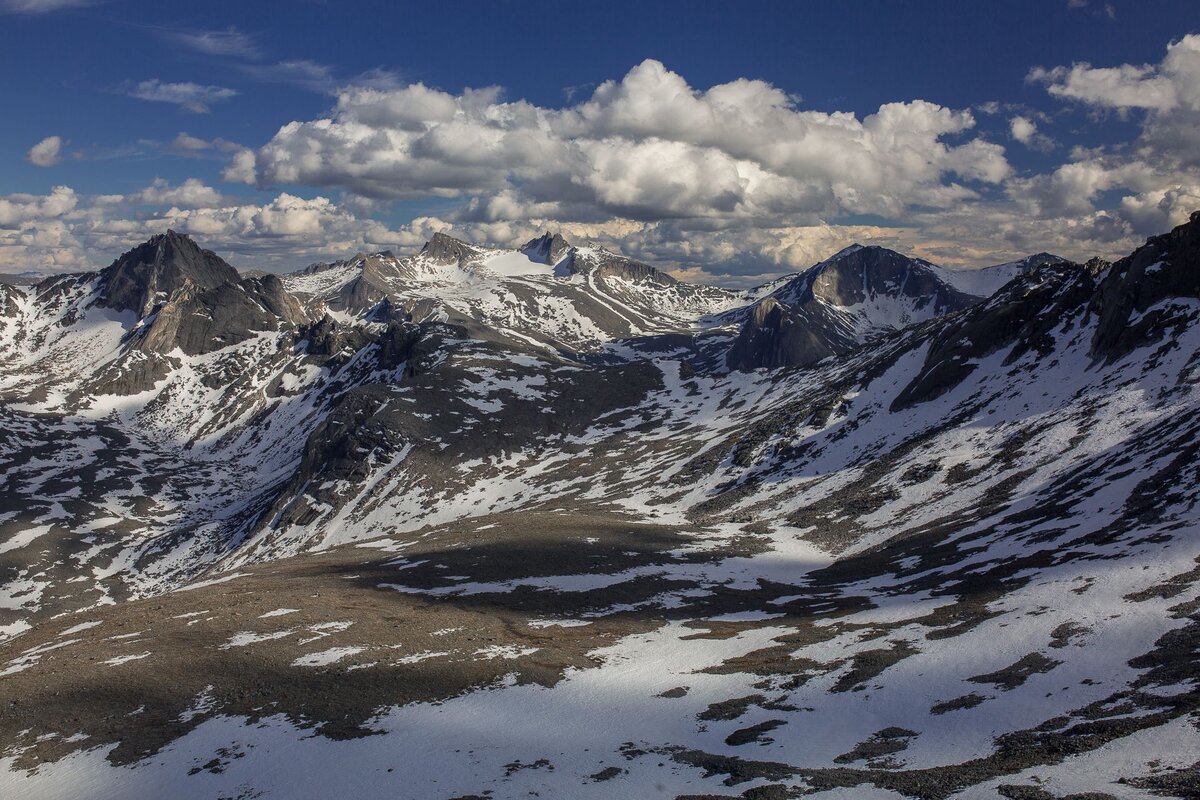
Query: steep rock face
{"points": [[200, 320], [546, 249], [604, 264], [158, 268], [1021, 316], [270, 292], [368, 288], [776, 336], [831, 308], [1130, 299], [860, 275], [446, 250], [10, 297]]}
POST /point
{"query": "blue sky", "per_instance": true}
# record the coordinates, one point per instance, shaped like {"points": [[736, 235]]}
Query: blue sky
{"points": [[1009, 127]]}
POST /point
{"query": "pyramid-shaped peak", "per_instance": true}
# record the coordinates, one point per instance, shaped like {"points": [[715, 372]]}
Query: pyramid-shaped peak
{"points": [[445, 249], [871, 252], [549, 248], [158, 267]]}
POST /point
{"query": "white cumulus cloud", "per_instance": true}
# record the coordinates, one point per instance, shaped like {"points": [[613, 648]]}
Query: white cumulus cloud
{"points": [[1173, 83], [647, 147], [46, 153]]}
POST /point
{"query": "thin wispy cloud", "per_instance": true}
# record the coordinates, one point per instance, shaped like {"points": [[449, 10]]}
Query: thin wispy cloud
{"points": [[300, 72], [188, 146], [315, 76], [193, 97], [228, 42], [1107, 10], [245, 53], [41, 6]]}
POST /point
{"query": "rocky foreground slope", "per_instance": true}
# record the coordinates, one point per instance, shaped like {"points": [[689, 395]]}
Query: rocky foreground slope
{"points": [[480, 523]]}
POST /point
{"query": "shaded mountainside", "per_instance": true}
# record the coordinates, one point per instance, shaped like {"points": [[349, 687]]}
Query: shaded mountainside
{"points": [[859, 294], [399, 524], [157, 269]]}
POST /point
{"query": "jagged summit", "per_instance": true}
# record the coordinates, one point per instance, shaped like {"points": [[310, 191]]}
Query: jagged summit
{"points": [[607, 264], [1132, 300], [445, 249], [1039, 259], [157, 268], [548, 248], [186, 299]]}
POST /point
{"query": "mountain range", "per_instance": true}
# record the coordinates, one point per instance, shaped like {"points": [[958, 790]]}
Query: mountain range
{"points": [[476, 522]]}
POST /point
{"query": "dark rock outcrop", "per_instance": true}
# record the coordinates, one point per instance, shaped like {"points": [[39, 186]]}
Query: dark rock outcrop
{"points": [[1166, 266], [776, 336], [1020, 316], [326, 338], [859, 274], [198, 320], [444, 249], [158, 268], [1127, 301], [547, 248]]}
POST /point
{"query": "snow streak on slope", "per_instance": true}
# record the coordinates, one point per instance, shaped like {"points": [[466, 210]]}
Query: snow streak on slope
{"points": [[586, 298], [957, 557]]}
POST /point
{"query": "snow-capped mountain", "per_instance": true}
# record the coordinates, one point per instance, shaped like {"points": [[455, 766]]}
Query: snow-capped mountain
{"points": [[853, 296], [546, 292], [878, 528]]}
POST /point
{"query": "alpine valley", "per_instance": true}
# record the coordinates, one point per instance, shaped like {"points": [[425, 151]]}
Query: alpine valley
{"points": [[547, 522]]}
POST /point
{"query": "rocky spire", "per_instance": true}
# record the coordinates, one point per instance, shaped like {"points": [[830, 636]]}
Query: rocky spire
{"points": [[157, 268], [546, 249], [444, 249]]}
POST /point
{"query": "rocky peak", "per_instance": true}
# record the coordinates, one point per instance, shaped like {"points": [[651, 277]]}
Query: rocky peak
{"points": [[859, 274], [159, 267], [1040, 260], [546, 249], [1165, 266], [774, 335], [605, 264], [766, 313], [444, 249], [368, 287]]}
